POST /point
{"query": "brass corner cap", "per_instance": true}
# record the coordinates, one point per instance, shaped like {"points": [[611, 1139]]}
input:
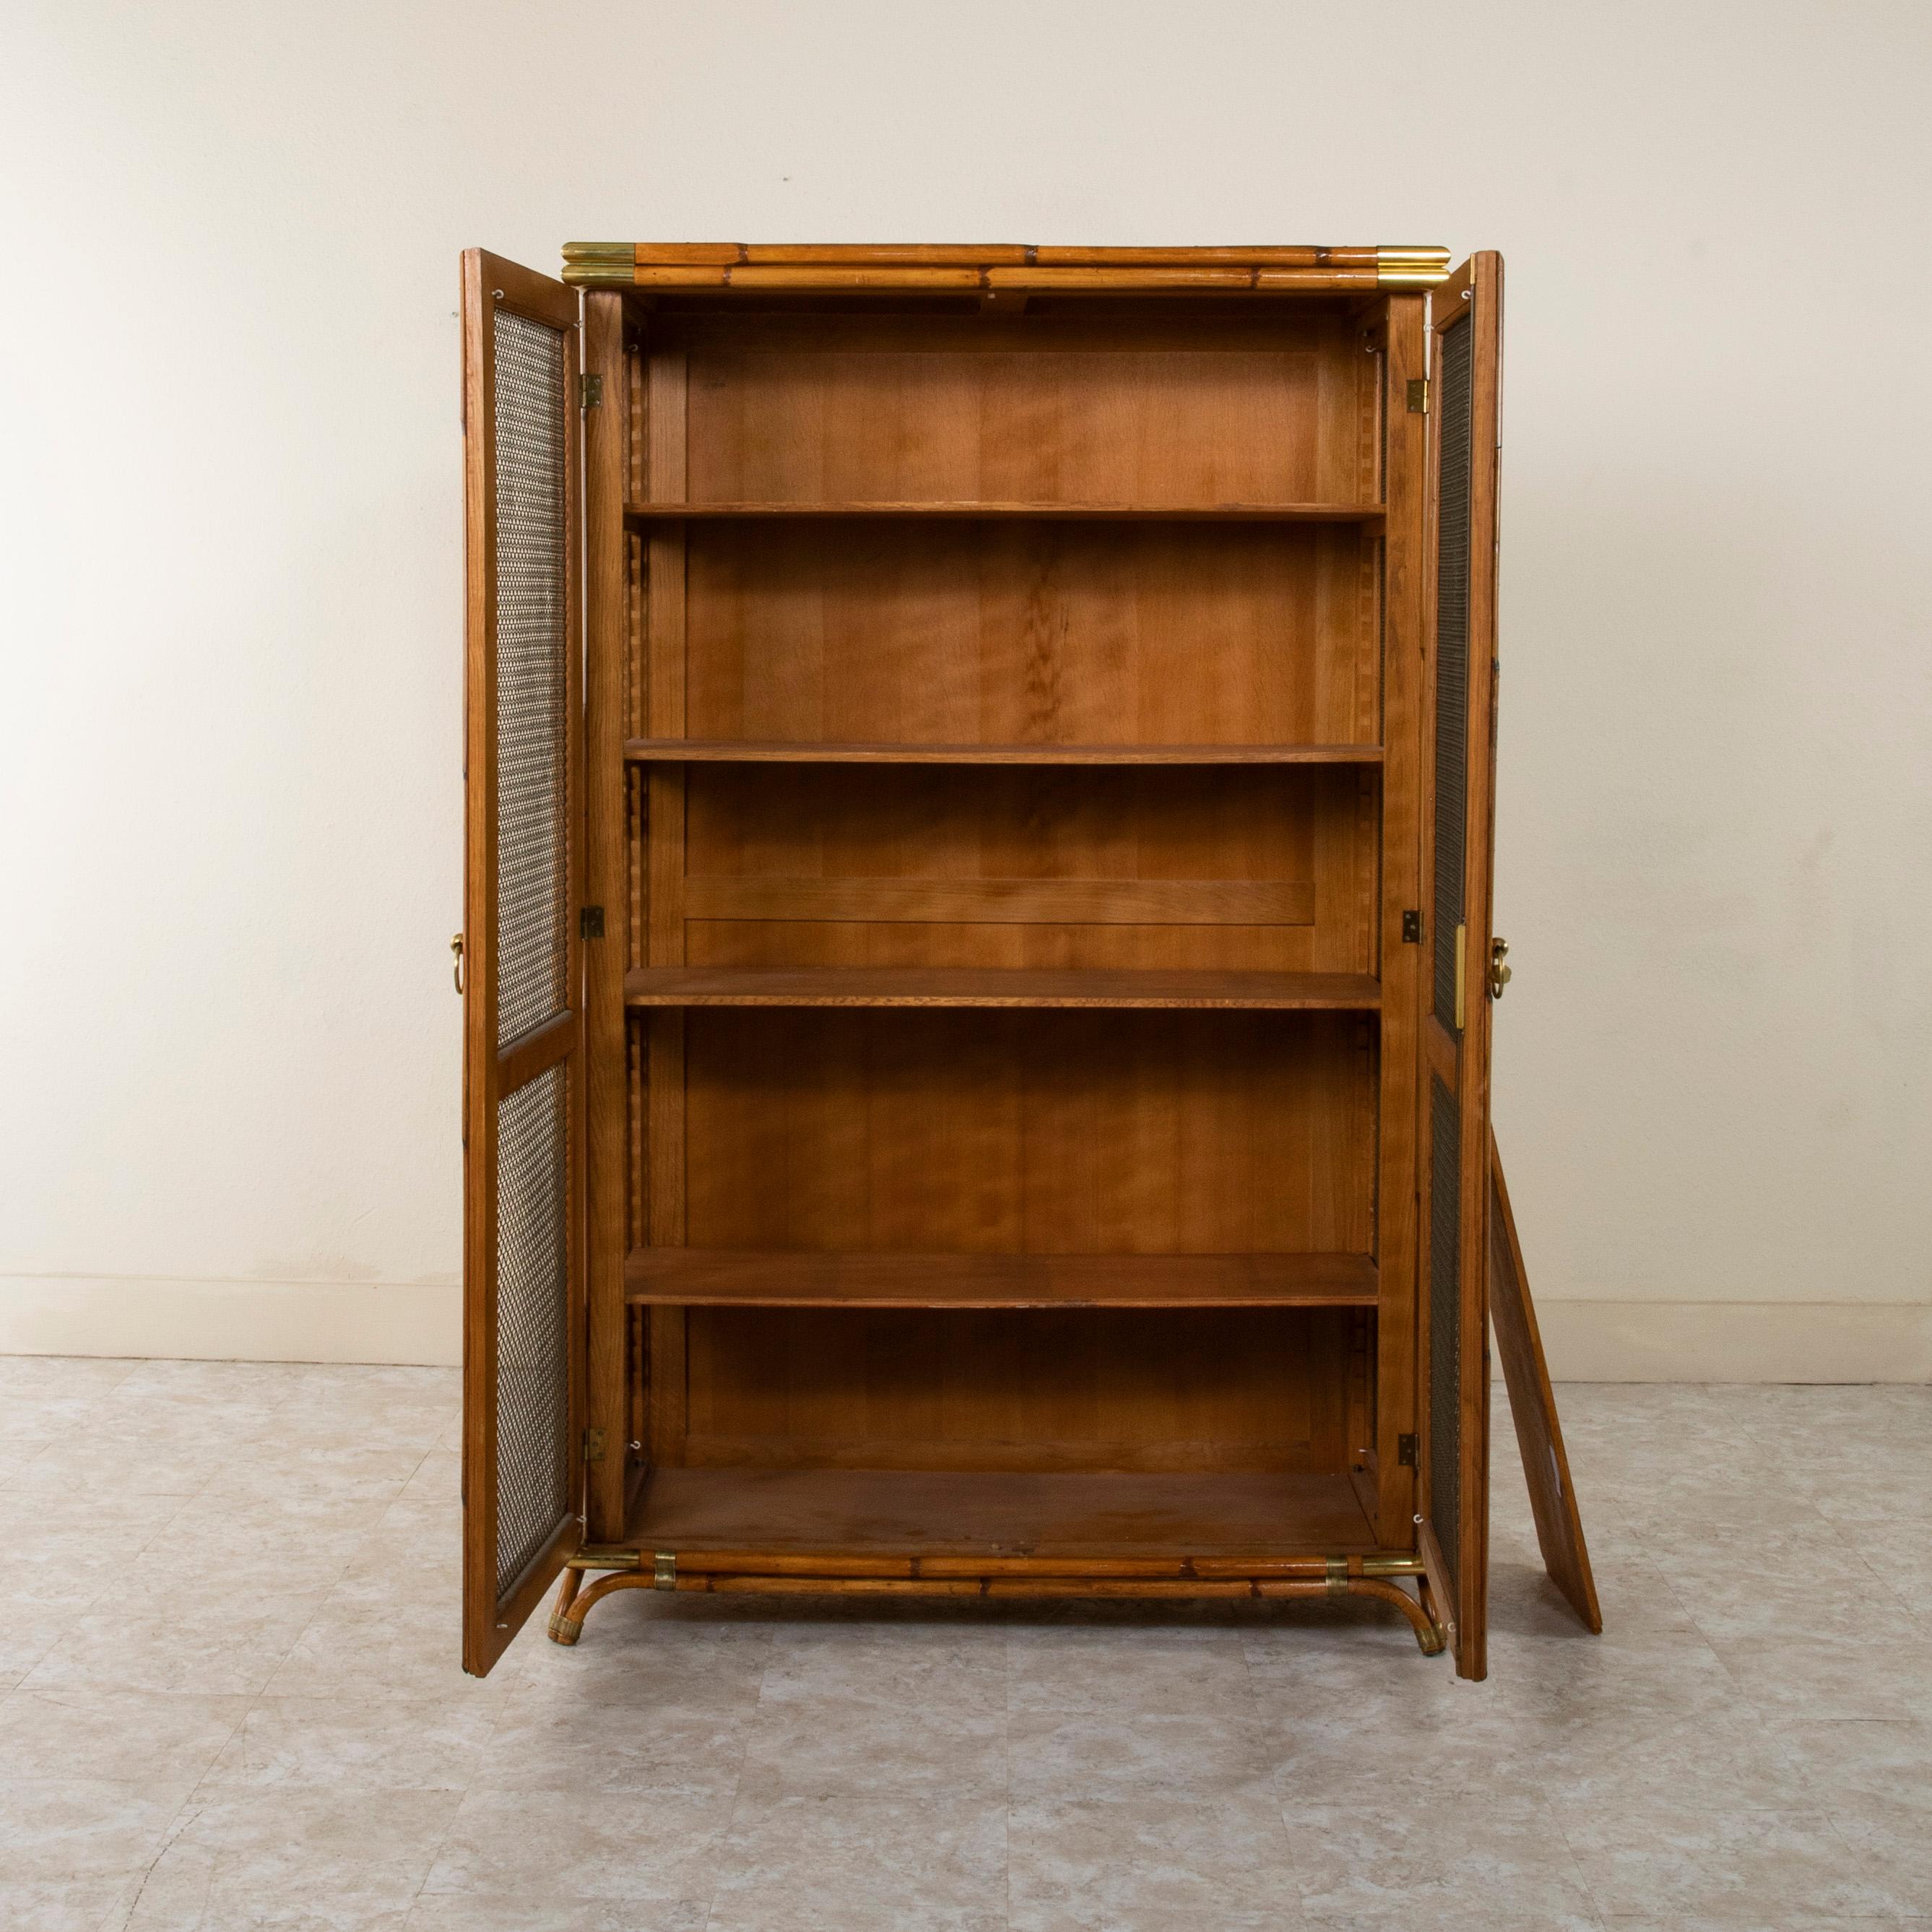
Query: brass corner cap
{"points": [[599, 265], [1410, 267]]}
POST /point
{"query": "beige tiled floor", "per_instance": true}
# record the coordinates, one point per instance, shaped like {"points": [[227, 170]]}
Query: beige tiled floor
{"points": [[228, 1699]]}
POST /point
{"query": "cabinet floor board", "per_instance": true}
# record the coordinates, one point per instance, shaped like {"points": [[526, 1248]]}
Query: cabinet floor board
{"points": [[867, 1512]]}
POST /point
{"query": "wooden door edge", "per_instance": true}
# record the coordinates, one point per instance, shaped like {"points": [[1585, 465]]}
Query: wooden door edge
{"points": [[1440, 1601], [1539, 1431]]}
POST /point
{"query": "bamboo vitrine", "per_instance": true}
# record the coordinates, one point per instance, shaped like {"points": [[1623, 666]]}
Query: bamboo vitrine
{"points": [[977, 950]]}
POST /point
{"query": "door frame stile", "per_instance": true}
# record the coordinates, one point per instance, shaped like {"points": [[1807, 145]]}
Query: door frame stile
{"points": [[1405, 556], [1461, 1059], [1479, 873], [606, 885], [479, 1002]]}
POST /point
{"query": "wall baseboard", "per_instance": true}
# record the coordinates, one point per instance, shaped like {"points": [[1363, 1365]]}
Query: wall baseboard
{"points": [[1737, 1341], [412, 1321], [232, 1321]]}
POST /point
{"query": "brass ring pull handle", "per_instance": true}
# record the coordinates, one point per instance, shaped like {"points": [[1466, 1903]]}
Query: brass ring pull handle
{"points": [[456, 947], [1499, 974]]}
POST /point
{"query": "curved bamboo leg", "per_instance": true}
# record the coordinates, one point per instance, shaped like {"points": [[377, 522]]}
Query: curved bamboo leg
{"points": [[1428, 1634], [1427, 1598], [564, 1628]]}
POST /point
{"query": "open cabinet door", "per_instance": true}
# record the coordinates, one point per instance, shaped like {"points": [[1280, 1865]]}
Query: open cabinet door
{"points": [[1464, 358], [522, 1247]]}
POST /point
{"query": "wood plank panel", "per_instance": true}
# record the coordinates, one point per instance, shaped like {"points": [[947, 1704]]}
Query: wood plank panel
{"points": [[1007, 901], [930, 632], [1014, 1131], [902, 946], [1137, 829], [1186, 328], [1229, 1389], [1023, 867], [826, 417], [779, 1279]]}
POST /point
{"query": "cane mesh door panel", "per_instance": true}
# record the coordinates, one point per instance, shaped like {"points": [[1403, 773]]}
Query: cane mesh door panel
{"points": [[533, 847], [533, 1379]]}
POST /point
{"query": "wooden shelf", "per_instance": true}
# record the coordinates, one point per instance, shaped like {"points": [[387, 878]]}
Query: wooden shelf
{"points": [[861, 1512], [744, 1278], [1152, 513], [772, 751], [973, 986]]}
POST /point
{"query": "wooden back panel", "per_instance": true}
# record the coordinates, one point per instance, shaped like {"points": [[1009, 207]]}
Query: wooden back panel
{"points": [[1237, 1389], [1065, 1132], [1030, 866], [1014, 1132], [1024, 632], [851, 407]]}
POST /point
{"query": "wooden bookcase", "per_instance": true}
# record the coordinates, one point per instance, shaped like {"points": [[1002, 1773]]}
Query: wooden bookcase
{"points": [[977, 939]]}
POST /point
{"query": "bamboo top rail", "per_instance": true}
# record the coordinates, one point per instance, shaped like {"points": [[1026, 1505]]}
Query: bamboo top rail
{"points": [[991, 269]]}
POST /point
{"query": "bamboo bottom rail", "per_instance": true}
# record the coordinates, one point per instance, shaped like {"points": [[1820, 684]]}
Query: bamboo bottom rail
{"points": [[566, 1623], [766, 1563]]}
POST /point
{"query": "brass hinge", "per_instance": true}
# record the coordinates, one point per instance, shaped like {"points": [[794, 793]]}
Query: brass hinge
{"points": [[1462, 977], [1405, 1451], [1411, 928], [593, 1445], [590, 922], [663, 1571], [590, 392], [1418, 395]]}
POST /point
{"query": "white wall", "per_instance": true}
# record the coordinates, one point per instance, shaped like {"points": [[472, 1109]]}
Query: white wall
{"points": [[229, 793]]}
